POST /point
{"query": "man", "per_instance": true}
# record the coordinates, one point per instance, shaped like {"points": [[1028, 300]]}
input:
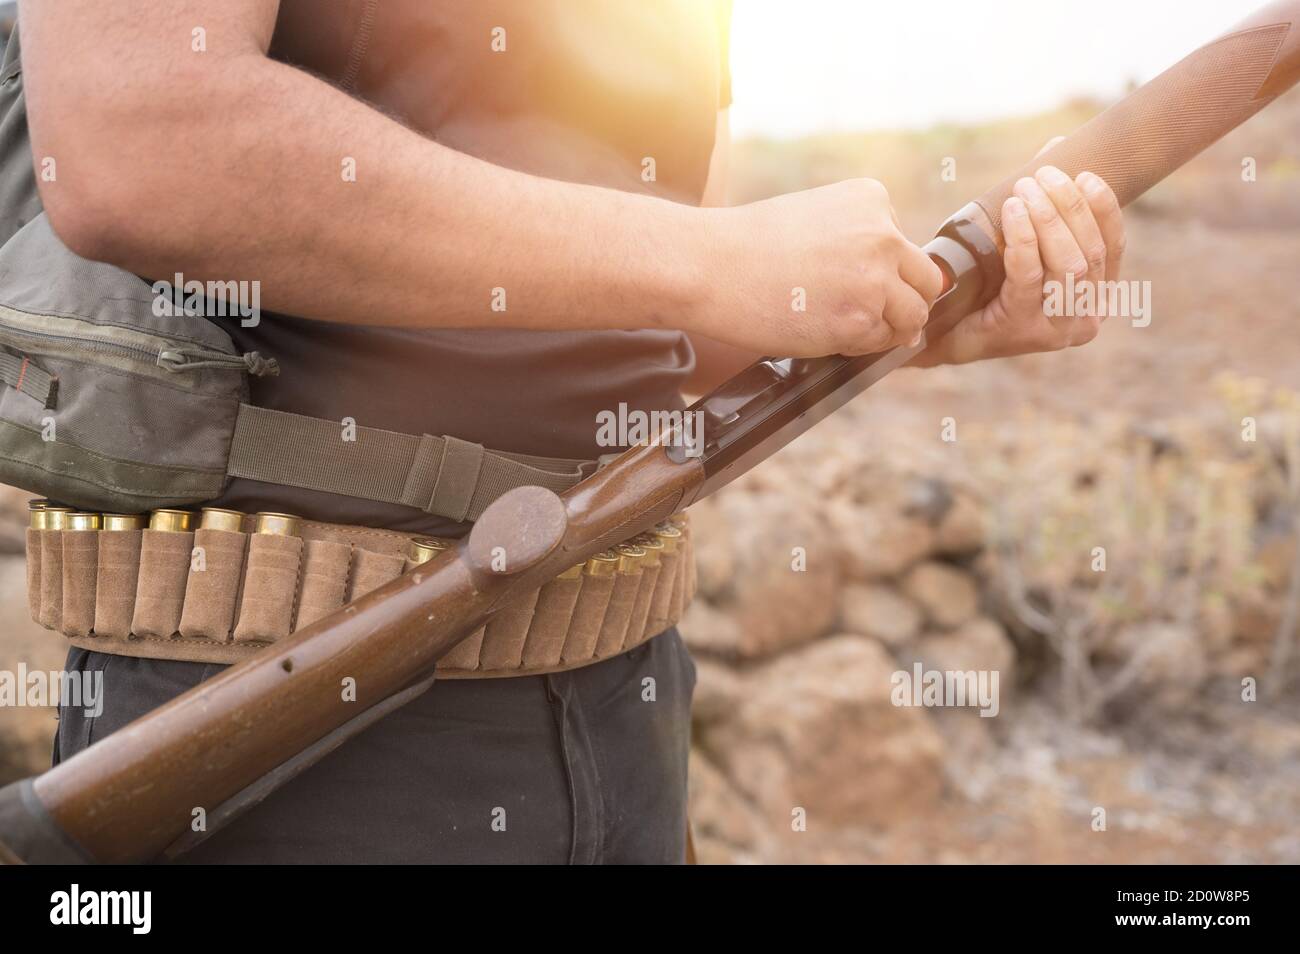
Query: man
{"points": [[494, 221]]}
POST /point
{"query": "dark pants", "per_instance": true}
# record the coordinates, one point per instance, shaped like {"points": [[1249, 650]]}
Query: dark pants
{"points": [[587, 766]]}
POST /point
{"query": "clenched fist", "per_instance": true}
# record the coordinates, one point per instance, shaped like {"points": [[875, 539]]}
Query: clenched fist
{"points": [[824, 271]]}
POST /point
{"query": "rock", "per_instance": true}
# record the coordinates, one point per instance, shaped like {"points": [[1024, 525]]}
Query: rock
{"points": [[816, 730], [979, 645], [1255, 619], [13, 519], [928, 498], [985, 568], [786, 573], [722, 822], [1242, 661], [1173, 664], [962, 530], [708, 631], [717, 688], [948, 595], [879, 611], [715, 564], [829, 475], [876, 542], [970, 752]]}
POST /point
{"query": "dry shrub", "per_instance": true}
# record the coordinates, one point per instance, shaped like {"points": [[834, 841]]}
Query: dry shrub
{"points": [[1142, 560]]}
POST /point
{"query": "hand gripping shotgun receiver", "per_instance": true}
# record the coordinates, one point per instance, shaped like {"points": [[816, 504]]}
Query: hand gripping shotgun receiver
{"points": [[227, 743]]}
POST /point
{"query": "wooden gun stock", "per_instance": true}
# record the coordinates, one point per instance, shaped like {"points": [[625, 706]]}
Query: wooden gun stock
{"points": [[130, 796]]}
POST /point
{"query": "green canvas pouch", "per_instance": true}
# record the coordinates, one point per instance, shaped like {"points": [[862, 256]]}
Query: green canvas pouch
{"points": [[118, 396]]}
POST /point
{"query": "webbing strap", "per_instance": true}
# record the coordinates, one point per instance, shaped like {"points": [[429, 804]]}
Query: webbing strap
{"points": [[17, 371], [442, 475]]}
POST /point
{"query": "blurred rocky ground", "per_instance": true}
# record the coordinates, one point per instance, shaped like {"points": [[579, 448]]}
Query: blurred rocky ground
{"points": [[1158, 685]]}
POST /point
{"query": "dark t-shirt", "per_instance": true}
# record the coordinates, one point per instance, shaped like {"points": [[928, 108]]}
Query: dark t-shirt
{"points": [[583, 91]]}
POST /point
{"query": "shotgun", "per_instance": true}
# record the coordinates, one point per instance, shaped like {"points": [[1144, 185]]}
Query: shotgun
{"points": [[228, 742]]}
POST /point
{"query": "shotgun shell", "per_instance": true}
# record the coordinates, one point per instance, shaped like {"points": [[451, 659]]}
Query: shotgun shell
{"points": [[171, 521], [604, 563], [277, 524], [35, 509], [572, 573], [669, 536], [50, 518], [123, 521], [630, 557], [218, 518], [423, 549], [82, 521], [652, 545]]}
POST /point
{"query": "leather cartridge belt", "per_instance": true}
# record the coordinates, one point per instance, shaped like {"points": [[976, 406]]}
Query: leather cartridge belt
{"points": [[217, 586]]}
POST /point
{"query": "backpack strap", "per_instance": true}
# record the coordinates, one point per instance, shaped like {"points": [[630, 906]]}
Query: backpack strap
{"points": [[441, 475]]}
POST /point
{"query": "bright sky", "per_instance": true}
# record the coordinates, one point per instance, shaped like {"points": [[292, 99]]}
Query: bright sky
{"points": [[801, 66]]}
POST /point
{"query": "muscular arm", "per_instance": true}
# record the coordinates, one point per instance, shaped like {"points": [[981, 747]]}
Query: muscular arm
{"points": [[223, 164], [226, 164]]}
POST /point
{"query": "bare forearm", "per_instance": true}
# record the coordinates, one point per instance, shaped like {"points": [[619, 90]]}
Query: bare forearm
{"points": [[222, 164], [250, 176]]}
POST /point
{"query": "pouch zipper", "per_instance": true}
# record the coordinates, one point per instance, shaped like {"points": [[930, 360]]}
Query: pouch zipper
{"points": [[173, 359]]}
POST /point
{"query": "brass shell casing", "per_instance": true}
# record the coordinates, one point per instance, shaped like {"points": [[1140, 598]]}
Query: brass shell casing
{"points": [[82, 521], [604, 563], [35, 510], [669, 536], [123, 521], [171, 521], [653, 546], [424, 549], [50, 518], [630, 557], [219, 518], [277, 524]]}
